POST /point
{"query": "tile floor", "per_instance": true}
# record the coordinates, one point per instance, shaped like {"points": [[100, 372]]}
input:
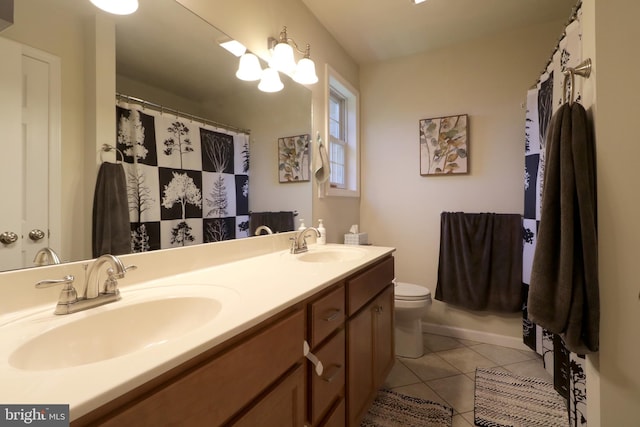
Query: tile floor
{"points": [[446, 372]]}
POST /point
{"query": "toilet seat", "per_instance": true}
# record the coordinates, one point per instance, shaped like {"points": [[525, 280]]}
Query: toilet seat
{"points": [[411, 292]]}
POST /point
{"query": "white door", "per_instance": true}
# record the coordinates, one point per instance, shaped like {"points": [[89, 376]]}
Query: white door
{"points": [[26, 122]]}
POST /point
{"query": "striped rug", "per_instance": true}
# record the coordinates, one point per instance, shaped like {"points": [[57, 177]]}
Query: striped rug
{"points": [[503, 399], [391, 409]]}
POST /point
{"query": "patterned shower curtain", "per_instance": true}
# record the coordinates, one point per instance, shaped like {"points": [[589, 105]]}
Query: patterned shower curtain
{"points": [[567, 368], [187, 182]]}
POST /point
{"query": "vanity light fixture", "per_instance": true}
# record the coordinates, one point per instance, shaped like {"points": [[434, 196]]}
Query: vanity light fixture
{"points": [[270, 81], [282, 59], [117, 7], [417, 1]]}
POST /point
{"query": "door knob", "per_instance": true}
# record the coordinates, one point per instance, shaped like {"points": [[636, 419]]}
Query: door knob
{"points": [[36, 234], [8, 237]]}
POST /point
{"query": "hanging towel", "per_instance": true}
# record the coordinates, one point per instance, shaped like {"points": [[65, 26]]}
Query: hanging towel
{"points": [[111, 229], [563, 293], [322, 171], [480, 266], [278, 222]]}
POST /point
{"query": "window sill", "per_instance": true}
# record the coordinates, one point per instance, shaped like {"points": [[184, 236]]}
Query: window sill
{"points": [[340, 192]]}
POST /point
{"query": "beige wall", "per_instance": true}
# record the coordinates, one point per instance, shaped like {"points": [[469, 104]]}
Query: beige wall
{"points": [[613, 380], [486, 79], [260, 19]]}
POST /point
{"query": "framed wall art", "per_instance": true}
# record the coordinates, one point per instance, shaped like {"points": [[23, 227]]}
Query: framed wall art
{"points": [[293, 158], [444, 145]]}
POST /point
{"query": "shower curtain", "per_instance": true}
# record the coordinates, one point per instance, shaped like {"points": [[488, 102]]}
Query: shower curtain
{"points": [[187, 182], [543, 100]]}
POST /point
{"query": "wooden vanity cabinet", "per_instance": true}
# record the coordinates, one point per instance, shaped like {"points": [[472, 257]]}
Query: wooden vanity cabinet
{"points": [[261, 378], [370, 346], [265, 365]]}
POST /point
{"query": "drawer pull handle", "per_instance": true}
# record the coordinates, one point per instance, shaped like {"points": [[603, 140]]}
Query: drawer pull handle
{"points": [[335, 370], [334, 314], [312, 358]]}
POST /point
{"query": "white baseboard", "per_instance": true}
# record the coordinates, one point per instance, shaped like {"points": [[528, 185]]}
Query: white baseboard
{"points": [[468, 334]]}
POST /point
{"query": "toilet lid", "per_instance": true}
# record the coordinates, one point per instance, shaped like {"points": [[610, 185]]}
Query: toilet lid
{"points": [[411, 292]]}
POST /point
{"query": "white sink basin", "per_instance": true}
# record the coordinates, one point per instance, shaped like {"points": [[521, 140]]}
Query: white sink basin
{"points": [[333, 254], [119, 329]]}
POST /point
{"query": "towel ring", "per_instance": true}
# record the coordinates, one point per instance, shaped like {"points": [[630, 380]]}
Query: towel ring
{"points": [[107, 148]]}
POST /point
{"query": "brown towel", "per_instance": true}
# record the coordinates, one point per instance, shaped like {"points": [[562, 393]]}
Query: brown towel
{"points": [[278, 222], [563, 294], [111, 227], [480, 265]]}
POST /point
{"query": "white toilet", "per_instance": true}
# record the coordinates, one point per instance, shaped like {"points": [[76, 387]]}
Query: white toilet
{"points": [[411, 302]]}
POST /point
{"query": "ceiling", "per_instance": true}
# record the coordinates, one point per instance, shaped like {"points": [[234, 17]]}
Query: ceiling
{"points": [[379, 30]]}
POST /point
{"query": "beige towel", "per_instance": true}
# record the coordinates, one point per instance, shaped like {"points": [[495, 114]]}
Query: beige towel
{"points": [[322, 172]]}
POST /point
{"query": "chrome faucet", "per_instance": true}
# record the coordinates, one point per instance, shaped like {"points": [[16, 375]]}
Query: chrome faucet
{"points": [[261, 228], [46, 256], [92, 295], [299, 243]]}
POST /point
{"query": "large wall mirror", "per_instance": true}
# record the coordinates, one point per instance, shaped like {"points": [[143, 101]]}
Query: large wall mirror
{"points": [[165, 55]]}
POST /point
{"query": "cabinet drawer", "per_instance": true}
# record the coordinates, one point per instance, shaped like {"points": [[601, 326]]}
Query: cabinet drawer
{"points": [[363, 287], [213, 392], [326, 388], [326, 315]]}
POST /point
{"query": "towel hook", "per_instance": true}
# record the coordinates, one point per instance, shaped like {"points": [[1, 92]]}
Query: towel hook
{"points": [[583, 69]]}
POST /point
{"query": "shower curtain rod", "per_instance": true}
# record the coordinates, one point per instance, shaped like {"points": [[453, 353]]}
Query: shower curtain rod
{"points": [[572, 17], [163, 109]]}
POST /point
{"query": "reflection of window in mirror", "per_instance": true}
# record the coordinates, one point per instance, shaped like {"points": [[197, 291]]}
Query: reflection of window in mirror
{"points": [[343, 144]]}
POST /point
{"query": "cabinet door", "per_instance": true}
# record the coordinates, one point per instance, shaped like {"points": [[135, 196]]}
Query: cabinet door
{"points": [[360, 383], [370, 353], [284, 406], [384, 353]]}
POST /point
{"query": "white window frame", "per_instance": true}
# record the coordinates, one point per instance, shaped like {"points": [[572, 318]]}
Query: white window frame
{"points": [[338, 84]]}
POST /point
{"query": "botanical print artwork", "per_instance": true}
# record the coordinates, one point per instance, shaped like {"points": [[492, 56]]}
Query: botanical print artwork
{"points": [[293, 158], [187, 183], [444, 145]]}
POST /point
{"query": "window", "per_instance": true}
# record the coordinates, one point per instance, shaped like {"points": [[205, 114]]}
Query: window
{"points": [[337, 139], [342, 131]]}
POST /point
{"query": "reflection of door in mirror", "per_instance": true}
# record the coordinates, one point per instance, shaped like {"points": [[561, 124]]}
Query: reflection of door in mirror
{"points": [[27, 84]]}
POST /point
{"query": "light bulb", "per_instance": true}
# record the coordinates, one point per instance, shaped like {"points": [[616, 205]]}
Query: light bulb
{"points": [[305, 72], [282, 58], [117, 7]]}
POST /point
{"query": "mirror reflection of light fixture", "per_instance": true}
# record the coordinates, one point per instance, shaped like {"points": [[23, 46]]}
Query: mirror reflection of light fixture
{"points": [[117, 7], [249, 68], [270, 81]]}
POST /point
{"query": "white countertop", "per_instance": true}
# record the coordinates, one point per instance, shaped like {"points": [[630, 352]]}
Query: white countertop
{"points": [[260, 287]]}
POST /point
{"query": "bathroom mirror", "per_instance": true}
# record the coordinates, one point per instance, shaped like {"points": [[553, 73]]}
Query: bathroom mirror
{"points": [[167, 55]]}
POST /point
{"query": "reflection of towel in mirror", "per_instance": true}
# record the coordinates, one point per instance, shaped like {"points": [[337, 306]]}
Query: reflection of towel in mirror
{"points": [[480, 264], [111, 229], [563, 294], [322, 171]]}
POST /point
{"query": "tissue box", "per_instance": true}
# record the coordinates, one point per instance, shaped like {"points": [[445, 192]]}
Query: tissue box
{"points": [[356, 239]]}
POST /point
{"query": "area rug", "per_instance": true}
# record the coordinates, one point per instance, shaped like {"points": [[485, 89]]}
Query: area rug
{"points": [[391, 409], [503, 399]]}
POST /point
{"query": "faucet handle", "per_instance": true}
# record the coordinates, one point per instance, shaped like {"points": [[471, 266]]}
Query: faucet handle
{"points": [[111, 283], [68, 293]]}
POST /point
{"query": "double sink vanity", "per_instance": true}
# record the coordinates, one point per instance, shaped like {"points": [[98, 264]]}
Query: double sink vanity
{"points": [[230, 333]]}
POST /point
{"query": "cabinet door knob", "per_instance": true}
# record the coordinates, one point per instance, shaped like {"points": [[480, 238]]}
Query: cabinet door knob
{"points": [[8, 237], [36, 234], [378, 309]]}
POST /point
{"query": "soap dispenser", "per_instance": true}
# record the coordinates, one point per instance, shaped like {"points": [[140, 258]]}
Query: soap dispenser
{"points": [[302, 226], [322, 239]]}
